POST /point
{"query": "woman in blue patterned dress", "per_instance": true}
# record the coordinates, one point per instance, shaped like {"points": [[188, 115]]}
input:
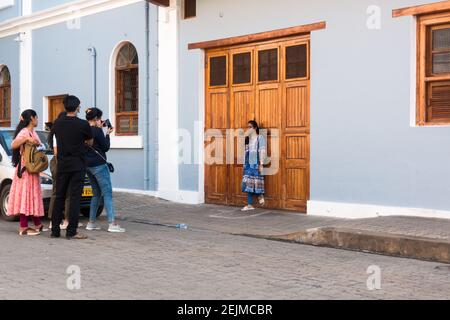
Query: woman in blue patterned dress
{"points": [[255, 153]]}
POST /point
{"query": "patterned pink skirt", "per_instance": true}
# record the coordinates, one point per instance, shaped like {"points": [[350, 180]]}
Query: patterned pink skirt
{"points": [[25, 196]]}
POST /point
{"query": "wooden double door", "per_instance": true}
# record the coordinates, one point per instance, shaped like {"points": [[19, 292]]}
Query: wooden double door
{"points": [[267, 82]]}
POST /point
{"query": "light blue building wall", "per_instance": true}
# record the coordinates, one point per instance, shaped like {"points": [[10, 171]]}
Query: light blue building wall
{"points": [[363, 148], [11, 12], [39, 5], [62, 64], [9, 56]]}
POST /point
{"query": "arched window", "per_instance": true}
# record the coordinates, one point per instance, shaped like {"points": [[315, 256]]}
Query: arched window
{"points": [[127, 91], [5, 97]]}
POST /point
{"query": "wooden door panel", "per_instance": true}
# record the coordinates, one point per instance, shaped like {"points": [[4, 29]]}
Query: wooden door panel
{"points": [[217, 116], [297, 106], [237, 196], [242, 107], [297, 147], [215, 188], [295, 182], [216, 169], [268, 106]]}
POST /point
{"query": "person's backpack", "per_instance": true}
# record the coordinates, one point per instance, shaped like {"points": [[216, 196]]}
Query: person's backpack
{"points": [[36, 161]]}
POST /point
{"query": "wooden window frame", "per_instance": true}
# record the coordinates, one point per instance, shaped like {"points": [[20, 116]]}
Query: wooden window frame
{"points": [[308, 57], [425, 24], [118, 95], [184, 10], [227, 68], [280, 63], [231, 67], [130, 114], [5, 121]]}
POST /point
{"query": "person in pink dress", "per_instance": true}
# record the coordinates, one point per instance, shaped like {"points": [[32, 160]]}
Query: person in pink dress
{"points": [[25, 198]]}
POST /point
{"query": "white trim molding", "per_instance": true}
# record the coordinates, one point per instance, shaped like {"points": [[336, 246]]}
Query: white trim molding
{"points": [[27, 7], [25, 69], [168, 92], [58, 14], [361, 211], [121, 142]]}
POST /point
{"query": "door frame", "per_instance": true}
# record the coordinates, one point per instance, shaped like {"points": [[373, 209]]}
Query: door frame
{"points": [[46, 105], [304, 38]]}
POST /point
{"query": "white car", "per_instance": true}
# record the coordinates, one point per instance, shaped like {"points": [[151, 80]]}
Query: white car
{"points": [[7, 172]]}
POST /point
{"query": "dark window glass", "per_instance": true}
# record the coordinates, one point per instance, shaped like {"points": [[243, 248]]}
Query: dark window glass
{"points": [[190, 8], [268, 65], [441, 51], [296, 61], [242, 68], [218, 71]]}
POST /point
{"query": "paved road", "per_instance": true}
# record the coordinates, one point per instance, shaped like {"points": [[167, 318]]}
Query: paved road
{"points": [[155, 262]]}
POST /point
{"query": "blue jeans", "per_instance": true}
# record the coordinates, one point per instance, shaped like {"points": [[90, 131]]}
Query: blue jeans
{"points": [[250, 198], [101, 185]]}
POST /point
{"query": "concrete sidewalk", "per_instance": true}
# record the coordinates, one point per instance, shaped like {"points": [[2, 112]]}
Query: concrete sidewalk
{"points": [[411, 237]]}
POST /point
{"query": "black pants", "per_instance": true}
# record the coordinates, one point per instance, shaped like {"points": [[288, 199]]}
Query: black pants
{"points": [[73, 181], [51, 208]]}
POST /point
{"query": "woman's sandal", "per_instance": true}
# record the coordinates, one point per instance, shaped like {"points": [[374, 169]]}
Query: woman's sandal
{"points": [[41, 228], [248, 208], [29, 232]]}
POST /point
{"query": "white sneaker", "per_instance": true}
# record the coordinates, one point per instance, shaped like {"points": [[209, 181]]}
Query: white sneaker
{"points": [[115, 228], [92, 226], [248, 208]]}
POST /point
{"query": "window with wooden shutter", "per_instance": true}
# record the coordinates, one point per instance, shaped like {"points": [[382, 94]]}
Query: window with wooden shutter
{"points": [[433, 69], [242, 67], [127, 91], [268, 65], [5, 97], [190, 9], [218, 71]]}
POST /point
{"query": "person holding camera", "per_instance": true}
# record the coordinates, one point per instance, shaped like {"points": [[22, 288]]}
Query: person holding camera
{"points": [[98, 170]]}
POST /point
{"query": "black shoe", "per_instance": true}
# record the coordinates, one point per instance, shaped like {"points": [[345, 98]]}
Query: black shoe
{"points": [[55, 235]]}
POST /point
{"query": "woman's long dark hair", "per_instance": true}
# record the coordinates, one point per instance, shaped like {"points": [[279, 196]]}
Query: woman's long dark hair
{"points": [[255, 126], [25, 120]]}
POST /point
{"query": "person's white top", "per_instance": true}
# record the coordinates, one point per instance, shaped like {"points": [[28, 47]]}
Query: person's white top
{"points": [[54, 142]]}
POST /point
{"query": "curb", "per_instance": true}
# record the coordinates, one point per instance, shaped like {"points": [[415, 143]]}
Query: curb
{"points": [[372, 242]]}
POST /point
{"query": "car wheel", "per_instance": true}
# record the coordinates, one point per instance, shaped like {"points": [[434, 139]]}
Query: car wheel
{"points": [[4, 197], [85, 211]]}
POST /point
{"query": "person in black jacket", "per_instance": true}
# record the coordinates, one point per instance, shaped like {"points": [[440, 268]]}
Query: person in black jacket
{"points": [[98, 171], [72, 136]]}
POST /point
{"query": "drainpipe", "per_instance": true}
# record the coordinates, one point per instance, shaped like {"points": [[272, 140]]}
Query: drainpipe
{"points": [[94, 75], [147, 100]]}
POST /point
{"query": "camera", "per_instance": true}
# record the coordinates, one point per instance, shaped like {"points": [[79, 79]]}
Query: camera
{"points": [[107, 123]]}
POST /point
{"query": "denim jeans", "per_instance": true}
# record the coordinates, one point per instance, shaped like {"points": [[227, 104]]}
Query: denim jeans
{"points": [[250, 198], [101, 185]]}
